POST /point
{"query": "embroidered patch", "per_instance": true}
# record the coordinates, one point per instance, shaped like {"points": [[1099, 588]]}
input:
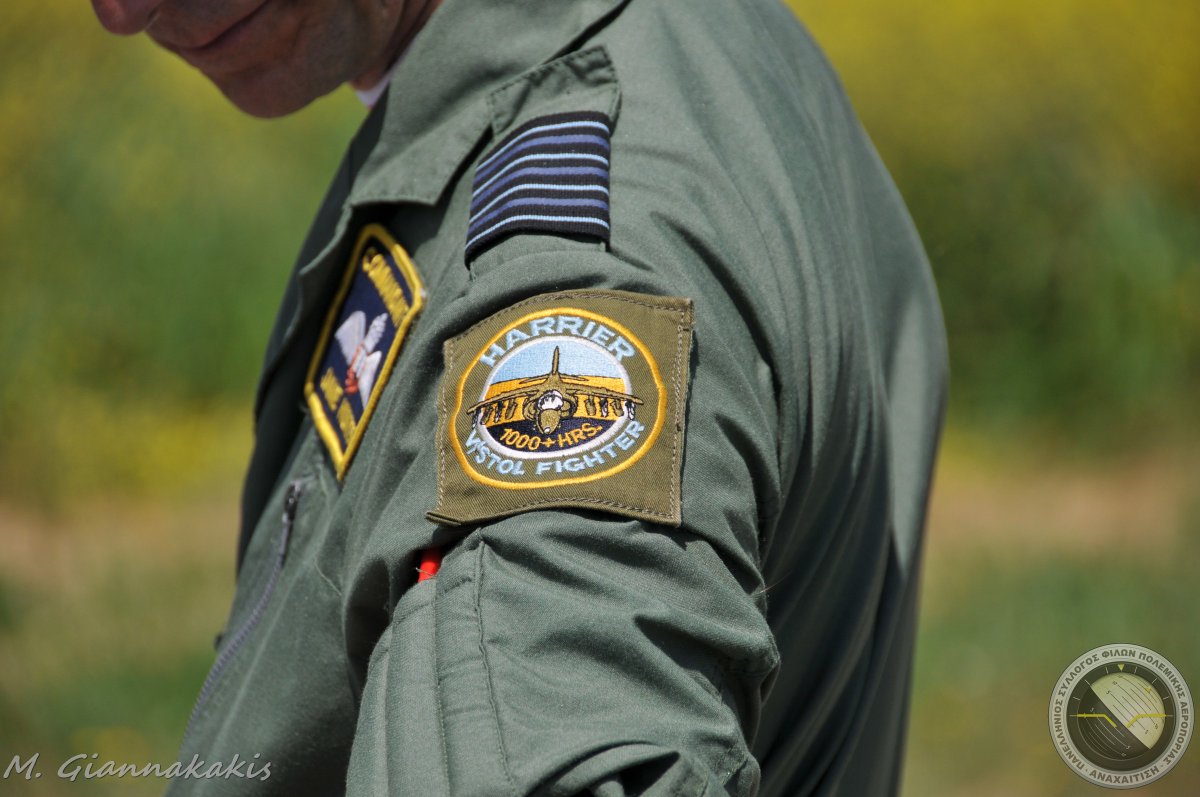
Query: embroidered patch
{"points": [[550, 174], [379, 297], [571, 399]]}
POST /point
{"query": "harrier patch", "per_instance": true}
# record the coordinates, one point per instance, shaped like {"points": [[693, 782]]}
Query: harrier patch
{"points": [[379, 297], [571, 399]]}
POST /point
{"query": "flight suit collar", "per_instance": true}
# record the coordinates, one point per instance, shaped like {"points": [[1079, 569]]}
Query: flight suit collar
{"points": [[435, 113], [437, 104], [432, 117], [409, 149]]}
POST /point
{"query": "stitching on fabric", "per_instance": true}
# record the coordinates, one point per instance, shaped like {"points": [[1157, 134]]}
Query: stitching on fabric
{"points": [[590, 501], [554, 66], [715, 681], [581, 294], [487, 670], [683, 317], [380, 653], [615, 104], [676, 476], [329, 583], [437, 684], [444, 423]]}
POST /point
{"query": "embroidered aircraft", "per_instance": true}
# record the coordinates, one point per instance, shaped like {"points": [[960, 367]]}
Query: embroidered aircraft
{"points": [[358, 343], [549, 399]]}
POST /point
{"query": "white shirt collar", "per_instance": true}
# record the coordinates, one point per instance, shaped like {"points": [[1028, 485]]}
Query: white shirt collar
{"points": [[370, 96]]}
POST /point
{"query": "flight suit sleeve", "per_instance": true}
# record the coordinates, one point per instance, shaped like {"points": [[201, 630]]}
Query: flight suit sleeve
{"points": [[578, 647]]}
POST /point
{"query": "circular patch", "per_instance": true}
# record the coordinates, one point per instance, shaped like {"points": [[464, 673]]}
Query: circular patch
{"points": [[1120, 716], [559, 396]]}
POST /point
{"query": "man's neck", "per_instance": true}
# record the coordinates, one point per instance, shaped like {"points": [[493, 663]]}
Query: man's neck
{"points": [[414, 16]]}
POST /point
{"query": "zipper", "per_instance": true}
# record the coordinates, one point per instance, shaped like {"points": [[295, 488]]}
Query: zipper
{"points": [[291, 501]]}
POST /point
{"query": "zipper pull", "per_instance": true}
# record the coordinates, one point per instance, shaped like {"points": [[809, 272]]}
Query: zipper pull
{"points": [[291, 502]]}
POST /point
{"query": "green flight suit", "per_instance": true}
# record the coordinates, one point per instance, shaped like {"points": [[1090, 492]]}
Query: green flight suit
{"points": [[762, 645]]}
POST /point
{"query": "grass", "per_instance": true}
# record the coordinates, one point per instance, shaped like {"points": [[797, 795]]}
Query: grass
{"points": [[1047, 154], [991, 652], [1017, 588], [108, 610], [111, 608]]}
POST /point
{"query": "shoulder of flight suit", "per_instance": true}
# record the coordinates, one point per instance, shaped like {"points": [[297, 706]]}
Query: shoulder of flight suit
{"points": [[837, 293], [572, 647], [565, 649]]}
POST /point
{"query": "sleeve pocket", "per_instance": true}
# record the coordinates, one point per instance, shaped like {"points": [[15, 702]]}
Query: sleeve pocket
{"points": [[398, 739]]}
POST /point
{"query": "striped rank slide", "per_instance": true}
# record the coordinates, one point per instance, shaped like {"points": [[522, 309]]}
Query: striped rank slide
{"points": [[550, 175]]}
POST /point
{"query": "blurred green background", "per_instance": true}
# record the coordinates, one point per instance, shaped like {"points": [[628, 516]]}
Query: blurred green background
{"points": [[1048, 152]]}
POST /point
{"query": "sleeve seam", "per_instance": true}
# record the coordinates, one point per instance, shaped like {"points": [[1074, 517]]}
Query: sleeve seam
{"points": [[487, 670], [437, 685]]}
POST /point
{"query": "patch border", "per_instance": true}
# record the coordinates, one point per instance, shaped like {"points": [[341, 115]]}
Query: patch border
{"points": [[650, 439], [666, 326], [329, 436]]}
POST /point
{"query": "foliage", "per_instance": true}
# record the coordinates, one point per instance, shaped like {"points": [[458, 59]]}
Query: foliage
{"points": [[986, 666], [1047, 153], [147, 232]]}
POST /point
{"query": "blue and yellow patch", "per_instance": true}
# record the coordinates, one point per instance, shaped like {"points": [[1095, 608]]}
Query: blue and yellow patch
{"points": [[377, 302], [572, 399], [553, 400]]}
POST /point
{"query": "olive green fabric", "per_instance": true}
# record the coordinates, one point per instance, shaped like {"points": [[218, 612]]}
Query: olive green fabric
{"points": [[631, 351], [764, 645]]}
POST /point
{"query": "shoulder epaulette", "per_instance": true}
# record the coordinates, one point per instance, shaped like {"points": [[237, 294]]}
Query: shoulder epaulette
{"points": [[549, 175]]}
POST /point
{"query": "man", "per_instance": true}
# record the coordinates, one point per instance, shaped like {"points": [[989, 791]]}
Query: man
{"points": [[595, 431]]}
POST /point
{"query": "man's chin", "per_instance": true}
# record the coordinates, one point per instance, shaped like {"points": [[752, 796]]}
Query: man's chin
{"points": [[267, 98]]}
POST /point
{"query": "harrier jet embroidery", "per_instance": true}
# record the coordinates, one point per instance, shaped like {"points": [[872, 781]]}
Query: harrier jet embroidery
{"points": [[551, 398]]}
